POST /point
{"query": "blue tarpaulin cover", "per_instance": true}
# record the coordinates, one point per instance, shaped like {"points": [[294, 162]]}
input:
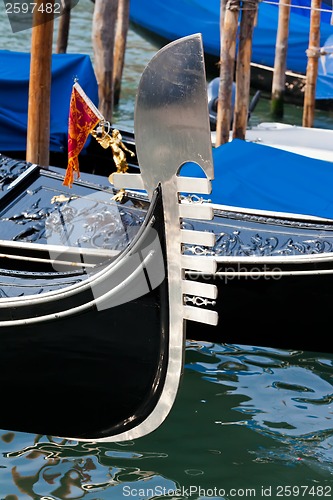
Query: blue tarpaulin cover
{"points": [[261, 177], [174, 19], [14, 91]]}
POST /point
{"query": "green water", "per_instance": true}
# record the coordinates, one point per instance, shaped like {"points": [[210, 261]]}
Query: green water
{"points": [[248, 422]]}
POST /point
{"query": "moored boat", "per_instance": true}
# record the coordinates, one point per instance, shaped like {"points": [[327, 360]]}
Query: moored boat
{"points": [[166, 21], [92, 319], [270, 247], [270, 233]]}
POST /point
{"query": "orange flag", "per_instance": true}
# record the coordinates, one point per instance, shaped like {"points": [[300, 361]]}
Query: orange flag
{"points": [[83, 118]]}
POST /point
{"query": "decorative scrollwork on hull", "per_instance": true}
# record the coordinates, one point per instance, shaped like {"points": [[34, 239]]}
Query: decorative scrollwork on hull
{"points": [[229, 244], [79, 222], [10, 169], [248, 243]]}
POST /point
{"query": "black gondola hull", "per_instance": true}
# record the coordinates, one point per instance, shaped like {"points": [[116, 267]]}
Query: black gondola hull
{"points": [[274, 278], [59, 347]]}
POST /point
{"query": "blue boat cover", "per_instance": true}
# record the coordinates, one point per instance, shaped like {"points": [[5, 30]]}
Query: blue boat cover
{"points": [[256, 176], [14, 92], [174, 19]]}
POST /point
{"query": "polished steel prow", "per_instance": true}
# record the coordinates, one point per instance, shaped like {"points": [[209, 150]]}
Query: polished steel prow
{"points": [[171, 129]]}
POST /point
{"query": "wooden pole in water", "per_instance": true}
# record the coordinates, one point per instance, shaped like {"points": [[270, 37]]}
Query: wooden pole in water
{"points": [[120, 46], [228, 33], [38, 131], [223, 7], [103, 35], [279, 75], [313, 54], [63, 28], [243, 69]]}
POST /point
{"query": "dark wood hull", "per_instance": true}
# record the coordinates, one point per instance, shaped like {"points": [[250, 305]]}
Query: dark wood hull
{"points": [[85, 332], [262, 79], [288, 293], [91, 374], [291, 313], [274, 278]]}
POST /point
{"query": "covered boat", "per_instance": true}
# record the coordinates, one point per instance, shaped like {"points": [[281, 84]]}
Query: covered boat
{"points": [[14, 90], [176, 18], [273, 229]]}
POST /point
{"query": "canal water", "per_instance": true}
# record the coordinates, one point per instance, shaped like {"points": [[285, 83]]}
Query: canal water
{"points": [[249, 422]]}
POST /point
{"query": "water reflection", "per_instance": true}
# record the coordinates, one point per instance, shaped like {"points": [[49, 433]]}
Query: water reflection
{"points": [[51, 468], [245, 417], [283, 395], [277, 390]]}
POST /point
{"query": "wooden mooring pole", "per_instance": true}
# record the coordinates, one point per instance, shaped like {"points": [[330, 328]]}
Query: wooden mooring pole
{"points": [[228, 30], [103, 36], [38, 130], [120, 46], [243, 68], [280, 62], [313, 54], [63, 28]]}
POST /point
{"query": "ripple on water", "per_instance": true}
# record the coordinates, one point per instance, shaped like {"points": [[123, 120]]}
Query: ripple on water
{"points": [[240, 408]]}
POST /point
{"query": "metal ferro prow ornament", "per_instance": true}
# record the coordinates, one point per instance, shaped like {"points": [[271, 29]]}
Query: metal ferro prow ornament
{"points": [[171, 129]]}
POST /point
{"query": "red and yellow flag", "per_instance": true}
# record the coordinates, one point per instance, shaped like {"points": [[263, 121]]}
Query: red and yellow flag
{"points": [[83, 118]]}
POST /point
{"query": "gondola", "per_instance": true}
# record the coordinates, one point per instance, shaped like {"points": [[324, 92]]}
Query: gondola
{"points": [[273, 265], [272, 225], [270, 228], [95, 289], [92, 317]]}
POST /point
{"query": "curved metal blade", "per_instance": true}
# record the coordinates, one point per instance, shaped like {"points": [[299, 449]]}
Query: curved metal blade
{"points": [[171, 116]]}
